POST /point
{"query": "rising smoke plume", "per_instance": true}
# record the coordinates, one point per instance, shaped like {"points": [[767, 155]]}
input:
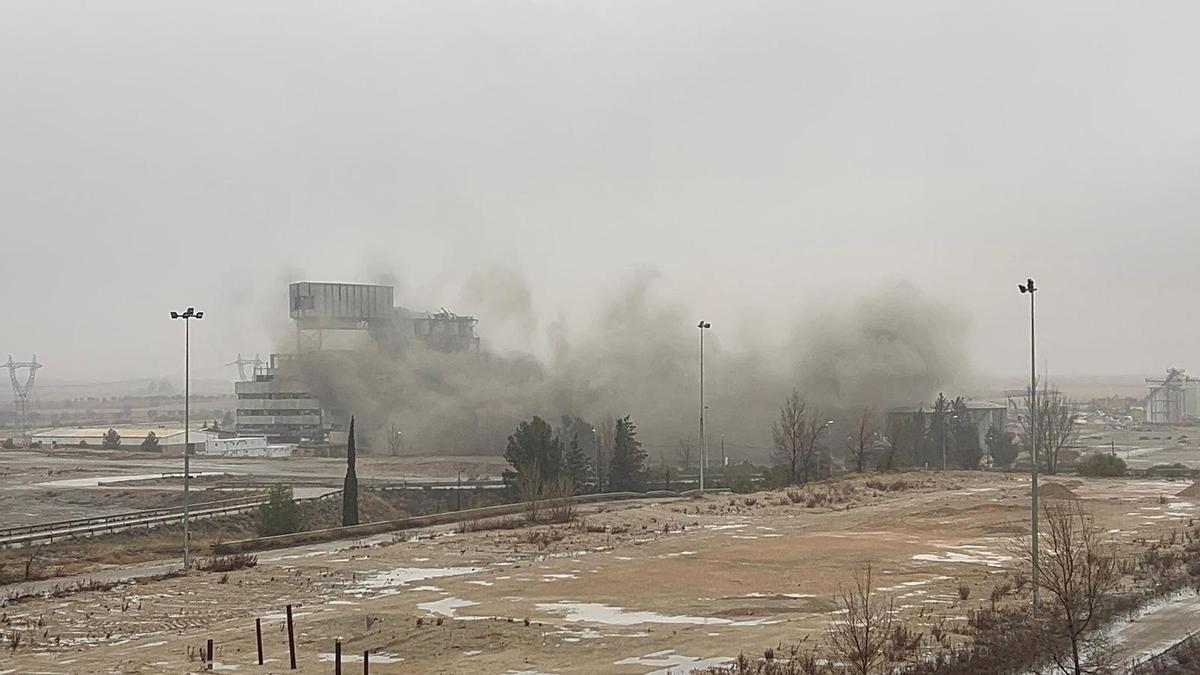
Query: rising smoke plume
{"points": [[638, 357]]}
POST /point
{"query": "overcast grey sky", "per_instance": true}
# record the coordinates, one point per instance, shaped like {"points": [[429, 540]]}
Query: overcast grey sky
{"points": [[756, 154]]}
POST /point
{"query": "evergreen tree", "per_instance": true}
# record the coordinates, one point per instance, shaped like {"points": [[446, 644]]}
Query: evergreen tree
{"points": [[967, 453], [534, 444], [1001, 447], [280, 515], [150, 444], [627, 467], [577, 466], [936, 432], [350, 486], [111, 440]]}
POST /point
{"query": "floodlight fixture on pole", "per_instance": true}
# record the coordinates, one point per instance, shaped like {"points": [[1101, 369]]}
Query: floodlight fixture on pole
{"points": [[599, 466], [826, 425], [703, 326], [1029, 288], [187, 315]]}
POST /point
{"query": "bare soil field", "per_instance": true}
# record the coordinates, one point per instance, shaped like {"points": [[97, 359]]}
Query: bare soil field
{"points": [[1147, 447], [68, 557], [49, 485], [636, 588]]}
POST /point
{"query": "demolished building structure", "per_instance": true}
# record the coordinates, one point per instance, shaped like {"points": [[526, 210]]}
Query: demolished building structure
{"points": [[279, 406]]}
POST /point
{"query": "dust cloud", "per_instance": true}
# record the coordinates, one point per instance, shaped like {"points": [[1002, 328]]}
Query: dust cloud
{"points": [[637, 354]]}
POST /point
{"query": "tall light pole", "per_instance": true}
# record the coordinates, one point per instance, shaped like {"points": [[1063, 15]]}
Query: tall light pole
{"points": [[954, 419], [187, 315], [943, 425], [828, 423], [703, 326], [1029, 288], [599, 466]]}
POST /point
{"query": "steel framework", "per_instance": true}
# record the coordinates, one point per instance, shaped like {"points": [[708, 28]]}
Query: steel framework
{"points": [[241, 363], [23, 392]]}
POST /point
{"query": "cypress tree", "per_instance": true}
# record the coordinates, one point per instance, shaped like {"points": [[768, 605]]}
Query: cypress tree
{"points": [[350, 487]]}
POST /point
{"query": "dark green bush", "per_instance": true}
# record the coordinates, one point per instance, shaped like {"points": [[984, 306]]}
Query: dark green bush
{"points": [[1102, 465], [280, 515]]}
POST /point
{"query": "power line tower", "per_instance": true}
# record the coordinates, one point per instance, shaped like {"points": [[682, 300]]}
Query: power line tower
{"points": [[242, 363], [22, 392]]}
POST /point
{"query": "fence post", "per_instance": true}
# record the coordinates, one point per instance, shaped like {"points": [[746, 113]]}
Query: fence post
{"points": [[337, 657], [208, 654], [258, 638], [291, 638], [366, 662]]}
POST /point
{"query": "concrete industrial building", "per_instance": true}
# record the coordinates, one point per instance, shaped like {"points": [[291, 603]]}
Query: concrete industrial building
{"points": [[278, 407], [275, 404], [983, 414]]}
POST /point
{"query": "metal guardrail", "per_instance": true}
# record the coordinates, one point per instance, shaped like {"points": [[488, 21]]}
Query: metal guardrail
{"points": [[129, 515], [150, 518]]}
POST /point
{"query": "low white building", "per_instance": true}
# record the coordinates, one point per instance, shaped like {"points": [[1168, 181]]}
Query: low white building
{"points": [[170, 438], [245, 446]]}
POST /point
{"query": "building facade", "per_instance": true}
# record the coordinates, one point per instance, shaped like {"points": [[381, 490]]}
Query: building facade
{"points": [[170, 439], [277, 405]]}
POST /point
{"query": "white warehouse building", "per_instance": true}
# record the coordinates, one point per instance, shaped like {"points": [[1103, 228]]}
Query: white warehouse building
{"points": [[170, 438]]}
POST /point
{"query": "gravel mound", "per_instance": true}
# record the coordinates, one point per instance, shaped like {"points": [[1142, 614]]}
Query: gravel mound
{"points": [[1055, 491], [1192, 490]]}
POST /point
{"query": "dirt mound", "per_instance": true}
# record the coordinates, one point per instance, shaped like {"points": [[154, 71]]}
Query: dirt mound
{"points": [[1055, 491], [1192, 490]]}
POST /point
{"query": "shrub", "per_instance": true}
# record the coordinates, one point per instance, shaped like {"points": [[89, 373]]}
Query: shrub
{"points": [[543, 539], [1102, 465], [776, 477], [740, 477], [150, 443], [561, 492], [111, 440], [280, 515]]}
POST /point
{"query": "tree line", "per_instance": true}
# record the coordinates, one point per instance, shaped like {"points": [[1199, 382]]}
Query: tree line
{"points": [[575, 457]]}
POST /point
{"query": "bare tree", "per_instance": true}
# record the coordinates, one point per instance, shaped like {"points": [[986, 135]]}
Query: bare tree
{"points": [[560, 504], [863, 436], [1078, 574], [529, 490], [684, 452], [1056, 429], [796, 434], [789, 433], [815, 425], [897, 433], [860, 637]]}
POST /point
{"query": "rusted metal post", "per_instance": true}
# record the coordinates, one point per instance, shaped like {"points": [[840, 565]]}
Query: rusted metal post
{"points": [[337, 657], [208, 654], [258, 638], [291, 638], [366, 662]]}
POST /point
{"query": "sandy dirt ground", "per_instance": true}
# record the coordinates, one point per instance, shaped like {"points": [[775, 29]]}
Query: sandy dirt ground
{"points": [[656, 587], [1148, 447], [38, 487]]}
